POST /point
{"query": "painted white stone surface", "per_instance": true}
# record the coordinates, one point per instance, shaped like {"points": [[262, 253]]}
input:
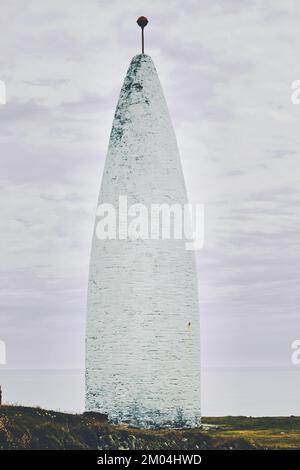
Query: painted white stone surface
{"points": [[142, 339]]}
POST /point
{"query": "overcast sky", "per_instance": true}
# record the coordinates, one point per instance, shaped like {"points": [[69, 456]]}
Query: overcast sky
{"points": [[226, 68]]}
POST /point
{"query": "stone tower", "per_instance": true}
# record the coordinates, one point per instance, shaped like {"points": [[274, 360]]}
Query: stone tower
{"points": [[142, 339]]}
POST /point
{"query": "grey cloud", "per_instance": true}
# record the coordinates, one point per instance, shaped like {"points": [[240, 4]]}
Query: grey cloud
{"points": [[219, 66], [47, 82], [30, 110]]}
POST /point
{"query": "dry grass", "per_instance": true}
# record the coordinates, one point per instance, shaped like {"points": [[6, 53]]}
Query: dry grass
{"points": [[34, 428]]}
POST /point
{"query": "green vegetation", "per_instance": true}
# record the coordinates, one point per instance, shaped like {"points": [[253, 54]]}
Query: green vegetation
{"points": [[266, 433], [34, 428]]}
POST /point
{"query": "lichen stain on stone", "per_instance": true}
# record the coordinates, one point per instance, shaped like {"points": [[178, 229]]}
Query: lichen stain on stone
{"points": [[130, 86]]}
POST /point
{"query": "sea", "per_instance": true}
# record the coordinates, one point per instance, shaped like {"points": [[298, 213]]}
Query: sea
{"points": [[225, 391]]}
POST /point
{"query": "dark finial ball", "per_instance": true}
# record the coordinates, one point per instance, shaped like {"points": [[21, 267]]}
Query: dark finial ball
{"points": [[142, 21]]}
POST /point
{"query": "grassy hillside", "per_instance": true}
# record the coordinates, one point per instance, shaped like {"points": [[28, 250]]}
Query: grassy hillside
{"points": [[34, 428]]}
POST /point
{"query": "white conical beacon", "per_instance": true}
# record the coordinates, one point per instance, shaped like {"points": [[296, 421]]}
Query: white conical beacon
{"points": [[142, 339]]}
